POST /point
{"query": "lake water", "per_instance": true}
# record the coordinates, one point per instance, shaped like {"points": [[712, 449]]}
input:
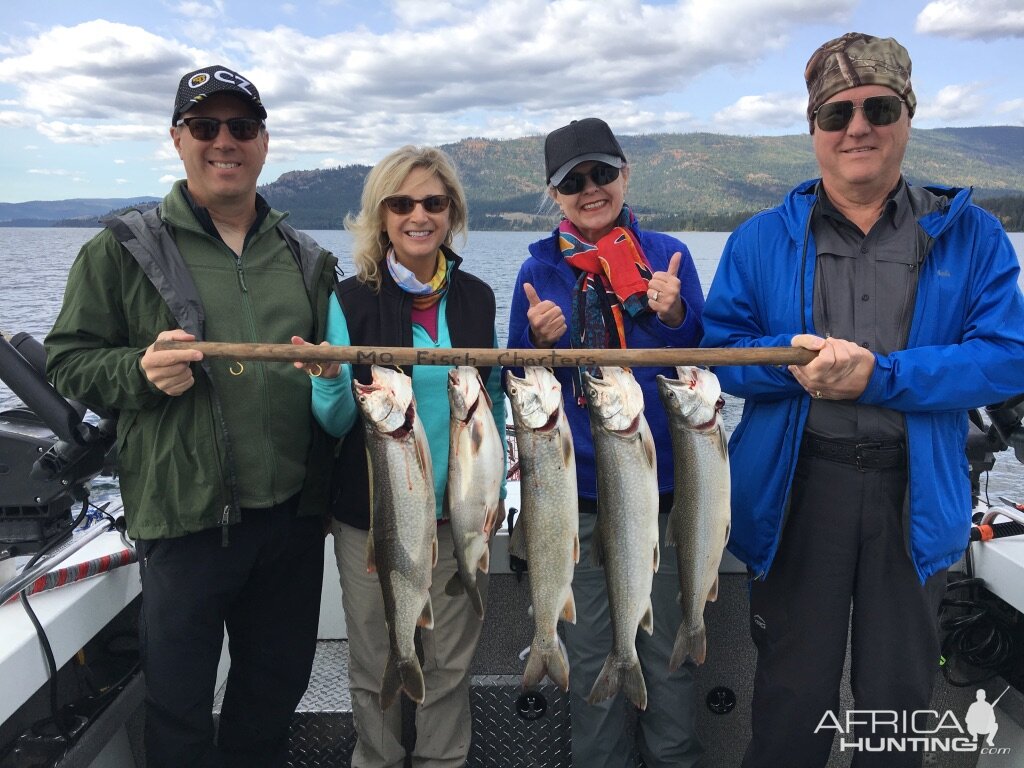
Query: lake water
{"points": [[34, 265]]}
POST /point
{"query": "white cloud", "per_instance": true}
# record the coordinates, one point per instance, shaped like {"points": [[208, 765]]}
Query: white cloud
{"points": [[118, 161], [169, 178], [192, 9], [778, 110], [17, 119], [89, 133], [971, 19], [97, 70], [50, 172], [122, 181], [952, 104], [495, 70]]}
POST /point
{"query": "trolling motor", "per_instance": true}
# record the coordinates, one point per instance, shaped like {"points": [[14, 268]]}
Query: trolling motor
{"points": [[48, 453]]}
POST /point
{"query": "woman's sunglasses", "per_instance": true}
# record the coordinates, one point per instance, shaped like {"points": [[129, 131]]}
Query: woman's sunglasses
{"points": [[600, 174], [879, 110], [207, 128], [403, 204]]}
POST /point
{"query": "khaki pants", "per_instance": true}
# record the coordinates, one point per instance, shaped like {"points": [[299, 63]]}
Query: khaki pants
{"points": [[443, 724]]}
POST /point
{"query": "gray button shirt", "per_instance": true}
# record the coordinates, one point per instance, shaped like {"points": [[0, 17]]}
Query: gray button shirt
{"points": [[864, 288]]}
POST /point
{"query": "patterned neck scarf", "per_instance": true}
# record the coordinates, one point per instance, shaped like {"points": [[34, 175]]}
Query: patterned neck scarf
{"points": [[614, 274], [424, 296]]}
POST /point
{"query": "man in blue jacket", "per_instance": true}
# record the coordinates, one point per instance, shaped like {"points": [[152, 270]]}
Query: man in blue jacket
{"points": [[850, 481]]}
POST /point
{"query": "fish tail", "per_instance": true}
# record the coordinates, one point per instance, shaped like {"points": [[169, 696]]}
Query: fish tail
{"points": [[689, 642], [401, 675], [616, 677], [456, 585], [546, 659]]}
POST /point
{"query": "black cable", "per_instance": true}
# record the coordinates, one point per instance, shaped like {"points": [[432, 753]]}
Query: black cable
{"points": [[978, 635], [44, 641]]}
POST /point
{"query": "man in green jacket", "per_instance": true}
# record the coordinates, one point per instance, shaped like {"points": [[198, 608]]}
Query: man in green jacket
{"points": [[223, 470]]}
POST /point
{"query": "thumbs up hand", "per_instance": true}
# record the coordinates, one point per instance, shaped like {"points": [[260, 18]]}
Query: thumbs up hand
{"points": [[547, 322], [663, 293]]}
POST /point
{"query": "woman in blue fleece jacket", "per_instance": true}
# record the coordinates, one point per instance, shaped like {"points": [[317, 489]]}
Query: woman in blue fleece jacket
{"points": [[654, 300]]}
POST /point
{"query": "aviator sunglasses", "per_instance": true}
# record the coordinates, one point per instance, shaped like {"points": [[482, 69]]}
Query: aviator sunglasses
{"points": [[403, 204], [601, 174], [207, 128], [879, 110]]}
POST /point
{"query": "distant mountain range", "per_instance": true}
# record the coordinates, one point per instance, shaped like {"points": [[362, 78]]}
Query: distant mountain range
{"points": [[678, 182], [46, 213]]}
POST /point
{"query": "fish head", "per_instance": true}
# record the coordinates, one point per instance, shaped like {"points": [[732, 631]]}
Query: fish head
{"points": [[464, 391], [536, 398], [615, 399], [694, 396], [387, 403]]}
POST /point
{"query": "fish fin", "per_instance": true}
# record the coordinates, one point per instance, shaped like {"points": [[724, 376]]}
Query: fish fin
{"points": [[426, 619], [648, 442], [647, 620], [688, 643], [433, 552], [713, 592], [671, 531], [614, 678], [656, 559], [489, 520], [596, 546], [484, 563], [401, 675], [371, 557], [546, 659], [723, 443], [454, 586], [476, 600], [569, 609], [477, 435], [566, 438], [486, 395]]}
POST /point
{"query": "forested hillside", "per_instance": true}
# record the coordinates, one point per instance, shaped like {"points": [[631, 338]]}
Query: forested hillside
{"points": [[678, 182]]}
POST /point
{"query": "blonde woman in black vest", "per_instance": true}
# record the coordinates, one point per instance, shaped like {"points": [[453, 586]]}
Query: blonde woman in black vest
{"points": [[409, 290]]}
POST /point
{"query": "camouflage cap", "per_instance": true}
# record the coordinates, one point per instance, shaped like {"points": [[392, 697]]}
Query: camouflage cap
{"points": [[857, 59]]}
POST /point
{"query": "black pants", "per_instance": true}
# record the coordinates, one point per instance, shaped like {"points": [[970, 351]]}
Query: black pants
{"points": [[265, 589], [843, 543]]}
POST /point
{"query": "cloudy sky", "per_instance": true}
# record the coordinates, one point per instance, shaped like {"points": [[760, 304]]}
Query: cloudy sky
{"points": [[87, 86]]}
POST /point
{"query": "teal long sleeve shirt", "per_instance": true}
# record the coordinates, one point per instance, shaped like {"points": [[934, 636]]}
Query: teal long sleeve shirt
{"points": [[334, 405]]}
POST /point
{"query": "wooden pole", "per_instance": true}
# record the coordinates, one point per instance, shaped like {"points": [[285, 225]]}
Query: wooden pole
{"points": [[549, 358]]}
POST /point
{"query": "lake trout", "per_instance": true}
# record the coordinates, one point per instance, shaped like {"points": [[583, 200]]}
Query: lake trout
{"points": [[476, 467], [547, 533], [625, 539], [698, 526], [402, 542]]}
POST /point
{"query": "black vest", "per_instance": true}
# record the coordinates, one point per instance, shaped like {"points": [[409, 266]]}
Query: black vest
{"points": [[384, 319]]}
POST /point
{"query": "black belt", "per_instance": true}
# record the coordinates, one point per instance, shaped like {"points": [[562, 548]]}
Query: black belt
{"points": [[890, 454]]}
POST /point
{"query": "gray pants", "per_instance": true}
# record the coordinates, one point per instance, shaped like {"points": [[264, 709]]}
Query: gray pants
{"points": [[443, 724], [601, 738], [842, 544]]}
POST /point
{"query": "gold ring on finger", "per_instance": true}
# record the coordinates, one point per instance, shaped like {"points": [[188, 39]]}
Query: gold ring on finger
{"points": [[317, 373]]}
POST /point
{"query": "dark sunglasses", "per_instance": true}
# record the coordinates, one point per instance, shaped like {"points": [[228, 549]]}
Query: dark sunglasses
{"points": [[600, 174], [207, 128], [879, 110], [403, 204]]}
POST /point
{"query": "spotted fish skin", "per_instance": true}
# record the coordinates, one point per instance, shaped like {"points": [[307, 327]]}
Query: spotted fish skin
{"points": [[698, 526], [626, 536], [547, 533], [402, 542]]}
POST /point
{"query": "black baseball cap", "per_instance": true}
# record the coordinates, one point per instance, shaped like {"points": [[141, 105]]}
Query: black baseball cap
{"points": [[579, 142], [196, 86]]}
